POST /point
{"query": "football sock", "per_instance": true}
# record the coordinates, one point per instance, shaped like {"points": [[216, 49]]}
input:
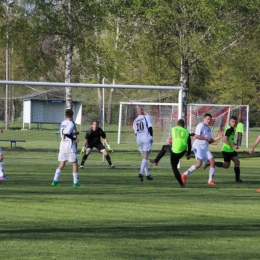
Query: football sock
{"points": [[75, 177], [177, 175], [211, 173], [190, 170], [146, 169], [219, 164], [1, 169], [84, 158], [143, 164], [237, 173], [57, 174], [108, 159]]}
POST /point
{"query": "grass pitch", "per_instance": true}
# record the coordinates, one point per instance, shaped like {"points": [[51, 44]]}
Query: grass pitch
{"points": [[115, 216]]}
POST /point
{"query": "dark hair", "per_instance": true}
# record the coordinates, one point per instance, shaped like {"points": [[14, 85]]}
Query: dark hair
{"points": [[180, 122], [208, 114], [233, 117], [95, 121], [68, 113]]}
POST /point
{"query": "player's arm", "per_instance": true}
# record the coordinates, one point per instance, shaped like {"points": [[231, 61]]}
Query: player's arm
{"points": [[150, 126], [257, 141], [189, 148], [103, 135]]}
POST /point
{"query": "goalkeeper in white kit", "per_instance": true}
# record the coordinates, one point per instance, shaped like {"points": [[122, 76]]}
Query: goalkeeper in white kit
{"points": [[92, 139]]}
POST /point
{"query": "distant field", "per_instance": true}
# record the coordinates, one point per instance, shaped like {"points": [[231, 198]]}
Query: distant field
{"points": [[115, 216]]}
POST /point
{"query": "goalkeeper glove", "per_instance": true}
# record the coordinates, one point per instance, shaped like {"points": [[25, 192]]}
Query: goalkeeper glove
{"points": [[83, 150], [109, 148]]}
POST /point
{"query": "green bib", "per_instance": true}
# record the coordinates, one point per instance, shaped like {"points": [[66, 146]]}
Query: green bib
{"points": [[180, 137], [226, 147], [240, 128]]}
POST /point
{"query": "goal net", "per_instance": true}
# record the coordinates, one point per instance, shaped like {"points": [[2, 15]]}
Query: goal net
{"points": [[165, 116]]}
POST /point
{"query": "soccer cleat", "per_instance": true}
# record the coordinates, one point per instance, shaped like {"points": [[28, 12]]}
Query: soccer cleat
{"points": [[55, 183], [140, 176], [183, 185], [206, 165], [75, 185], [184, 178], [3, 178], [112, 166], [149, 177], [211, 183], [81, 167], [258, 190], [239, 181], [153, 162]]}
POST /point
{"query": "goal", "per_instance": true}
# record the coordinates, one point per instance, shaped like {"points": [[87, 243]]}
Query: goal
{"points": [[166, 115]]}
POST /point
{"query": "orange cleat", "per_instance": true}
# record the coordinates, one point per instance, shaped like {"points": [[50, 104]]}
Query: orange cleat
{"points": [[258, 190], [184, 178], [211, 183]]}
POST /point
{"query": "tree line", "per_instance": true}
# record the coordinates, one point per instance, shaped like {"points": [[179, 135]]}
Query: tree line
{"points": [[209, 47]]}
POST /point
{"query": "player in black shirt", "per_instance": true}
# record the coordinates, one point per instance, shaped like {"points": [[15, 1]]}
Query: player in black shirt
{"points": [[92, 139]]}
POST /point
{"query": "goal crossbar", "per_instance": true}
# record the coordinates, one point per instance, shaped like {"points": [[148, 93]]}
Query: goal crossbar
{"points": [[62, 84]]}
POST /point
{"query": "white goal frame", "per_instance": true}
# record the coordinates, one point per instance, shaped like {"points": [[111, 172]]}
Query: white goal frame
{"points": [[189, 120]]}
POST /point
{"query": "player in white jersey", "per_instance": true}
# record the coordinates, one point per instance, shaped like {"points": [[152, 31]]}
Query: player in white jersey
{"points": [[68, 149], [144, 136], [2, 175], [251, 151], [201, 143]]}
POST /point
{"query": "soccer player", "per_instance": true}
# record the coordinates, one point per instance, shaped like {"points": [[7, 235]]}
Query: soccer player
{"points": [[229, 150], [239, 132], [165, 148], [92, 139], [144, 136], [2, 175], [251, 151], [68, 151], [201, 142], [180, 141]]}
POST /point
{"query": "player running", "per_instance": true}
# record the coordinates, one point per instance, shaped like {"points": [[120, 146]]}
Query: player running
{"points": [[180, 141], [229, 150], [68, 150], [92, 139], [144, 136], [201, 143], [251, 151]]}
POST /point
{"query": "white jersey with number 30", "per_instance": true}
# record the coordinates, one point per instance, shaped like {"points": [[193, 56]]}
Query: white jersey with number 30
{"points": [[140, 126]]}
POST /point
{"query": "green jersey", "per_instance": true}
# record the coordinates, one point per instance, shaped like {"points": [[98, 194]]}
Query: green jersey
{"points": [[230, 133], [180, 137], [240, 128]]}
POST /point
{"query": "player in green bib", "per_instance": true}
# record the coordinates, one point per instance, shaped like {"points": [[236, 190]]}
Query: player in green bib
{"points": [[180, 141], [229, 149]]}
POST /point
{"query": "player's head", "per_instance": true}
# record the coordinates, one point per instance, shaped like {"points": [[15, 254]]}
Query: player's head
{"points": [[180, 122], [233, 121], [207, 118], [69, 113], [95, 124], [139, 111]]}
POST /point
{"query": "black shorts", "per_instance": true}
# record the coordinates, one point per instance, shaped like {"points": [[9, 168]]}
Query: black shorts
{"points": [[175, 158], [228, 156], [99, 146]]}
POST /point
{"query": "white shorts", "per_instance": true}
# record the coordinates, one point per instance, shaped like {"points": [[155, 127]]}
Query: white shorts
{"points": [[145, 146], [203, 155], [70, 157]]}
